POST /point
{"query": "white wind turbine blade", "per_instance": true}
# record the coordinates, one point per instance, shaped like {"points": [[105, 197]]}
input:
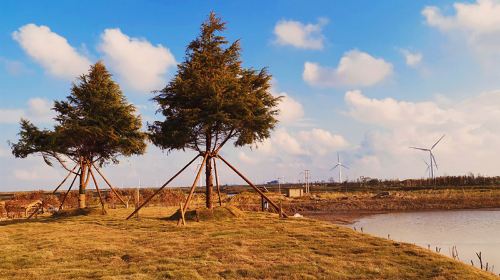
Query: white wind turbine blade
{"points": [[421, 149], [338, 158], [335, 166], [434, 159], [435, 144], [345, 166], [428, 169]]}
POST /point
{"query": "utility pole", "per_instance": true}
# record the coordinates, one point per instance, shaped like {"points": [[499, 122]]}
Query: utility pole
{"points": [[306, 180], [279, 185]]}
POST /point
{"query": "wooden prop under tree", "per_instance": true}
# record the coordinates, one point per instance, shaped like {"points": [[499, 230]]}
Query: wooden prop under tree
{"points": [[212, 100], [94, 126], [195, 183], [90, 174]]}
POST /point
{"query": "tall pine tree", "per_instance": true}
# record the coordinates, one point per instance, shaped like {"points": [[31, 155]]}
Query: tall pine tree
{"points": [[213, 99], [95, 125]]}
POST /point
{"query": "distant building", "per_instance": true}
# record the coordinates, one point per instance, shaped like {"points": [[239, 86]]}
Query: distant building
{"points": [[294, 192], [273, 182]]}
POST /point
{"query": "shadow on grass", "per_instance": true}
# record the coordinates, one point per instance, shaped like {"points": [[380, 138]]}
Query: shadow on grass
{"points": [[57, 216]]}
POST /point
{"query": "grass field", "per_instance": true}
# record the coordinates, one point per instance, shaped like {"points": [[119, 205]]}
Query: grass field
{"points": [[255, 246]]}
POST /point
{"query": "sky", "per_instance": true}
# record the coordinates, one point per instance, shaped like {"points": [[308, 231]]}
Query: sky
{"points": [[365, 80]]}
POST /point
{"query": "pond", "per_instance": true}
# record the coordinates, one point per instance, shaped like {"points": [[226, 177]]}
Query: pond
{"points": [[471, 231]]}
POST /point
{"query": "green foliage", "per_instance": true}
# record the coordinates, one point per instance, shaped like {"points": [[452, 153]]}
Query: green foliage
{"points": [[213, 98], [95, 123]]}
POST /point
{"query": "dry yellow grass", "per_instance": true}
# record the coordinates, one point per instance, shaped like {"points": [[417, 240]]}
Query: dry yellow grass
{"points": [[255, 246]]}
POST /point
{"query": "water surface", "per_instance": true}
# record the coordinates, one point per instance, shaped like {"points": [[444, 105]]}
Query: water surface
{"points": [[470, 231]]}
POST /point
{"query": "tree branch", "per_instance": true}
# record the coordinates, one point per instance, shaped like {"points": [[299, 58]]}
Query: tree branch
{"points": [[216, 151], [61, 161]]}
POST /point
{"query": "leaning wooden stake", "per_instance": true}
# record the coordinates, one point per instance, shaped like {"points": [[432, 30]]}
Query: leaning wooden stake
{"points": [[109, 185], [217, 182], [252, 185], [54, 191], [65, 178], [137, 198], [67, 192], [281, 209], [161, 188], [97, 188], [193, 187], [182, 214]]}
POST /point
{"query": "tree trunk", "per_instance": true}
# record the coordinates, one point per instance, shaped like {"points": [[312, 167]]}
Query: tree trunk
{"points": [[209, 182], [82, 187]]}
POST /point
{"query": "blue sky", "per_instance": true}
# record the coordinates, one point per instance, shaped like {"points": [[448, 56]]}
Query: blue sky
{"points": [[363, 79]]}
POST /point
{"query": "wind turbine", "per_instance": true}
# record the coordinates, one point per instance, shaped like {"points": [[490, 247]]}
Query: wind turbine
{"points": [[431, 155], [428, 169], [340, 165]]}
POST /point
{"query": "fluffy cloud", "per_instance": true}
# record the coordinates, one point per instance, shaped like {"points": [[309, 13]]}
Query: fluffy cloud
{"points": [[51, 51], [300, 35], [355, 68], [480, 17], [141, 65], [389, 112], [478, 23], [468, 146], [313, 142], [412, 59], [38, 111], [321, 142], [36, 174], [290, 110]]}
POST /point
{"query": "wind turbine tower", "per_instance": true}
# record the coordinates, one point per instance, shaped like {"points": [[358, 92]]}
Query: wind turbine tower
{"points": [[432, 159], [340, 165]]}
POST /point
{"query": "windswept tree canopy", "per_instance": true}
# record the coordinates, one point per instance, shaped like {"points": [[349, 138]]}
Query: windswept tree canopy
{"points": [[213, 99], [94, 124]]}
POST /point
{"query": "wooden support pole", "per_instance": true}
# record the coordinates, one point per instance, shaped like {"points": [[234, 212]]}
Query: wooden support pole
{"points": [[281, 208], [161, 188], [252, 185], [193, 187], [69, 189], [36, 210], [182, 214], [96, 187], [55, 190], [65, 178], [109, 185], [137, 198], [217, 182]]}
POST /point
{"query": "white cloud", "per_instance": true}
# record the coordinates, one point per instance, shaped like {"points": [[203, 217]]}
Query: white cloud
{"points": [[51, 51], [389, 112], [322, 142], [242, 156], [311, 142], [300, 35], [412, 59], [355, 68], [467, 147], [281, 139], [37, 173], [38, 111], [141, 65], [39, 106], [290, 110], [480, 17], [478, 23]]}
